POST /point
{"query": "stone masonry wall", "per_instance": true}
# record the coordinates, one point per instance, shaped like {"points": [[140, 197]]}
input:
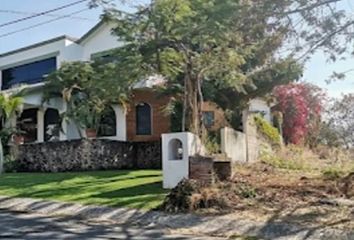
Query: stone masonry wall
{"points": [[85, 155]]}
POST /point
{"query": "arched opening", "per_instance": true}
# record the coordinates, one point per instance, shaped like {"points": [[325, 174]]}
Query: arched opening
{"points": [[51, 125], [108, 123], [175, 150], [27, 124], [143, 119]]}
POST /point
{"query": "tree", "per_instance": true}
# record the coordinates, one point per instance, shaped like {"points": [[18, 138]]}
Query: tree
{"points": [[193, 43], [301, 105], [341, 120], [10, 107], [227, 45], [87, 88], [234, 102]]}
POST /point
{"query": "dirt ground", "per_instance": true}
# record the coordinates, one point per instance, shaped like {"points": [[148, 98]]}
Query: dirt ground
{"points": [[265, 193]]}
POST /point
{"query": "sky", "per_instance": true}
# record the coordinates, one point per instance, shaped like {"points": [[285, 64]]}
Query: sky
{"points": [[317, 70]]}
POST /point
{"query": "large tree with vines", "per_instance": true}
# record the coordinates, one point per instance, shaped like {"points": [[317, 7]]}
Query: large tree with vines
{"points": [[225, 49]]}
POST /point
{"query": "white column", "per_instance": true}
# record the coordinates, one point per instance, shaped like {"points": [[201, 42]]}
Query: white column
{"points": [[40, 125], [64, 124], [121, 122]]}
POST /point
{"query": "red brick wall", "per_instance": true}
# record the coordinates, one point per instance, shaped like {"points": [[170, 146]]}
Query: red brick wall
{"points": [[160, 122], [219, 115]]}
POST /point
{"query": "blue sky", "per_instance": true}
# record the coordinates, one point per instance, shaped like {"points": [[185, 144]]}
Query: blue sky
{"points": [[316, 70]]}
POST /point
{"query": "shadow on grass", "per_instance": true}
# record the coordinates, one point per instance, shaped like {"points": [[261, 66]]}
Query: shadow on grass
{"points": [[136, 189]]}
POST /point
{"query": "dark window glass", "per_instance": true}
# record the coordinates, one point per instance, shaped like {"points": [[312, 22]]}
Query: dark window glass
{"points": [[107, 59], [108, 125], [143, 119], [208, 119], [51, 125], [29, 73], [27, 123]]}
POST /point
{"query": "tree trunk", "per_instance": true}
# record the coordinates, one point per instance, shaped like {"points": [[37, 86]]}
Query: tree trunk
{"points": [[193, 107], [192, 114]]}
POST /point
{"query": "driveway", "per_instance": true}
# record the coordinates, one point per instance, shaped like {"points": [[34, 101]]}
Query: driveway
{"points": [[34, 226]]}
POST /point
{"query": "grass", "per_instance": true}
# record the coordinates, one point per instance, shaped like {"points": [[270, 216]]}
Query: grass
{"points": [[140, 189]]}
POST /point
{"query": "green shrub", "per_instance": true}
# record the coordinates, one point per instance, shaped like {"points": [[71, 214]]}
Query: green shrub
{"points": [[284, 160], [212, 142], [267, 130], [332, 173], [10, 165], [247, 191]]}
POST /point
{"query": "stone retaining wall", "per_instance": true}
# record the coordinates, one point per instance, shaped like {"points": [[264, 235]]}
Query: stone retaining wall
{"points": [[85, 155]]}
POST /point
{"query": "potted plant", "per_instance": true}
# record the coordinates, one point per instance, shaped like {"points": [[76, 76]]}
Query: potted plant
{"points": [[90, 122], [87, 116], [18, 139]]}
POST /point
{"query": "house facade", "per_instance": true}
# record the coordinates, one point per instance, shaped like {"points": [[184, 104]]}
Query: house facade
{"points": [[25, 69], [143, 120]]}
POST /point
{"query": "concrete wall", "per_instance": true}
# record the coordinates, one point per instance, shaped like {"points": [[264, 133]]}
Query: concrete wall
{"points": [[233, 144], [252, 139], [246, 146], [177, 148]]}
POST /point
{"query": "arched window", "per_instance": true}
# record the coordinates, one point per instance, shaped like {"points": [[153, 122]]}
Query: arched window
{"points": [[51, 125], [143, 119], [108, 123]]}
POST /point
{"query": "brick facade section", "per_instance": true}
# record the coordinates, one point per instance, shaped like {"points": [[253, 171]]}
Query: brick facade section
{"points": [[161, 123], [201, 169], [219, 115], [223, 170]]}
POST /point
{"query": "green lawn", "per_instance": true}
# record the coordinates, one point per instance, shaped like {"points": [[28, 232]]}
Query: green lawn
{"points": [[135, 189]]}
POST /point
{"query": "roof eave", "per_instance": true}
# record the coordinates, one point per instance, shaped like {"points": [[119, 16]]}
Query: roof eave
{"points": [[36, 45]]}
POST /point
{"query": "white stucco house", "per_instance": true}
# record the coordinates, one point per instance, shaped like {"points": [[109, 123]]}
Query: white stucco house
{"points": [[26, 68], [259, 105]]}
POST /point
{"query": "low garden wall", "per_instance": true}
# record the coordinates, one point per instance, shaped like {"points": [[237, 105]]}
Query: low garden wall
{"points": [[206, 170], [84, 155]]}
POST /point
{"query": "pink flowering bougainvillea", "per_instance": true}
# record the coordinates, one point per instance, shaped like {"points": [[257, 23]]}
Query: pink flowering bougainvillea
{"points": [[301, 105]]}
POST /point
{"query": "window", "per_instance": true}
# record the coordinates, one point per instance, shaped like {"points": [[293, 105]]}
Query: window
{"points": [[28, 74], [51, 125], [143, 119], [208, 119], [108, 124], [27, 123], [105, 57]]}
